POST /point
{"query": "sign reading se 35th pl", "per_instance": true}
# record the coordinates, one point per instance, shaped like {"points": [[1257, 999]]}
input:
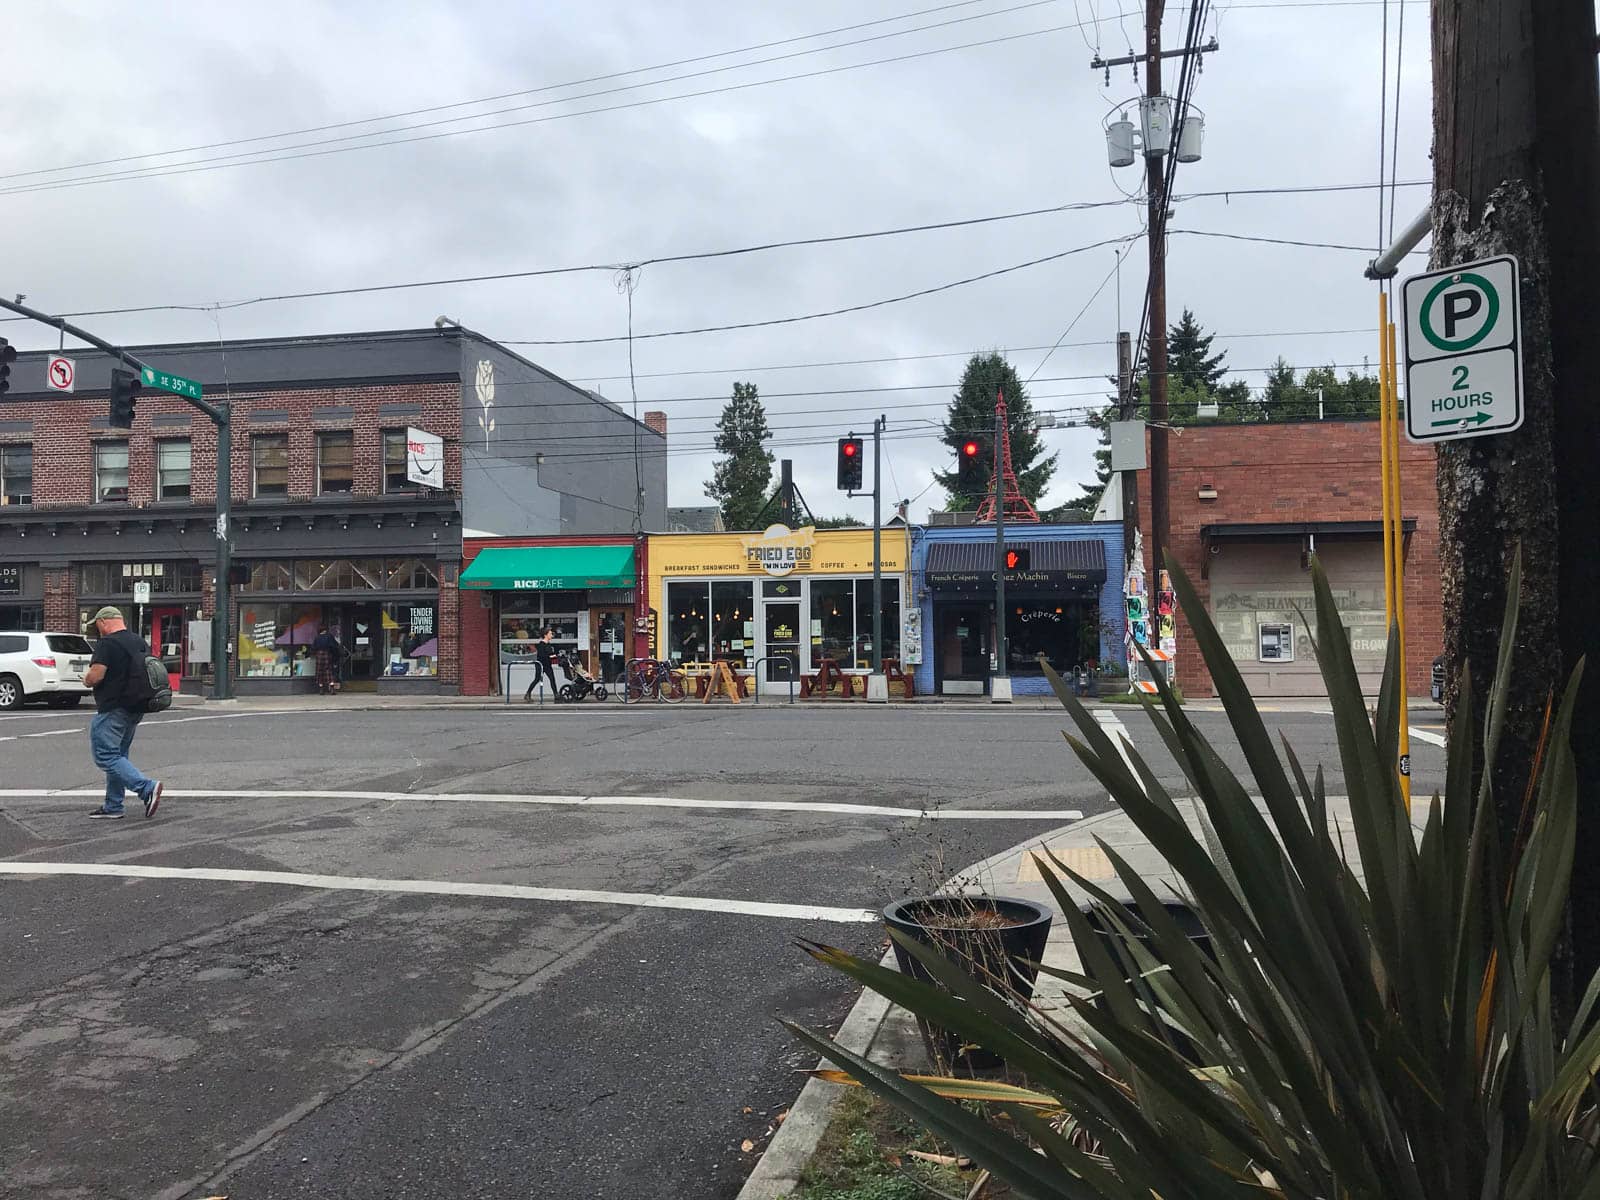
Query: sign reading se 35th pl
{"points": [[1463, 351]]}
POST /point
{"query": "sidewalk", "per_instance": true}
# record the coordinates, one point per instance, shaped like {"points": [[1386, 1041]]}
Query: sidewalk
{"points": [[888, 1036]]}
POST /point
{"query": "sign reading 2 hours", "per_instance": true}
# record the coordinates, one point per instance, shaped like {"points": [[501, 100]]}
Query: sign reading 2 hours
{"points": [[1463, 352]]}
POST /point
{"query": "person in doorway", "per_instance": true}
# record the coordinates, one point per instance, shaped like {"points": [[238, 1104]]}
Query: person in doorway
{"points": [[117, 663], [328, 651], [544, 663]]}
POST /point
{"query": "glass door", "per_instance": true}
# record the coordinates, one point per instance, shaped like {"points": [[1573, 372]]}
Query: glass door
{"points": [[362, 640], [780, 625], [610, 649], [166, 641]]}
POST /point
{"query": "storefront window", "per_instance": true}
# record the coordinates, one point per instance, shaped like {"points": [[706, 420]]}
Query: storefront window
{"points": [[841, 621], [688, 621], [270, 577], [525, 617], [833, 620], [338, 575], [27, 617], [275, 640], [117, 579], [1066, 632], [731, 615], [404, 573], [411, 639]]}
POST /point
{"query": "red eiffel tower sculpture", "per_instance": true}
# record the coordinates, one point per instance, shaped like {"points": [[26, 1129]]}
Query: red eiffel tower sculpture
{"points": [[1018, 507]]}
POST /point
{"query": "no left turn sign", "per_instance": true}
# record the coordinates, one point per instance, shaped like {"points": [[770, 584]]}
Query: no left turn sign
{"points": [[1463, 352], [61, 374]]}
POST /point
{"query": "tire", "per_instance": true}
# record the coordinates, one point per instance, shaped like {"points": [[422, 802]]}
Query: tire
{"points": [[11, 695], [600, 692], [64, 701], [673, 687], [566, 694]]}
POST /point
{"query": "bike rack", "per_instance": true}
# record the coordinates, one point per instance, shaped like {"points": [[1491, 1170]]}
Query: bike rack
{"points": [[786, 659], [627, 674]]}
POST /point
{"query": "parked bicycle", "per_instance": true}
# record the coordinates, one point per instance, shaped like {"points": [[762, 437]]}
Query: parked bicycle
{"points": [[656, 679]]}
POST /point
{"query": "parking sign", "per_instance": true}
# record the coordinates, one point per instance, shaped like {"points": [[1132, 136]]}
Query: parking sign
{"points": [[1463, 351]]}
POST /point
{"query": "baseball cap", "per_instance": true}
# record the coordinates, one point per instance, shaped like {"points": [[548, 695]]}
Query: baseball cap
{"points": [[109, 613]]}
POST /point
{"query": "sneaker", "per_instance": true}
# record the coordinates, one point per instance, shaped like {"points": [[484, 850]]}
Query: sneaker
{"points": [[100, 814], [153, 800]]}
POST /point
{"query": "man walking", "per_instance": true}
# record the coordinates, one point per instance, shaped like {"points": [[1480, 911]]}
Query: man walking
{"points": [[117, 656]]}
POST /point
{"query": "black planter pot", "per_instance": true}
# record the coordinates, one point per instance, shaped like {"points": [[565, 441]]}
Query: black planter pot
{"points": [[1008, 952], [1187, 920]]}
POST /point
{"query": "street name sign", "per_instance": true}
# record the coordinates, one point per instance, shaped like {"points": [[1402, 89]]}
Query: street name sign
{"points": [[1463, 351], [176, 384]]}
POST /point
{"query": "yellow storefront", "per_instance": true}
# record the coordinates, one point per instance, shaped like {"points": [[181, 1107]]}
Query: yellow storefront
{"points": [[803, 594]]}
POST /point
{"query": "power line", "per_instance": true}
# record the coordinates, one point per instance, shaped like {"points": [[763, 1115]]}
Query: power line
{"points": [[549, 87], [205, 165], [1072, 324], [833, 312]]}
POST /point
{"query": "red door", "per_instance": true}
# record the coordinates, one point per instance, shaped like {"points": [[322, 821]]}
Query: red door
{"points": [[166, 641]]}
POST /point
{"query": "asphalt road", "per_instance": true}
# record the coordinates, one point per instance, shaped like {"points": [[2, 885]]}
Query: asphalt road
{"points": [[453, 985]]}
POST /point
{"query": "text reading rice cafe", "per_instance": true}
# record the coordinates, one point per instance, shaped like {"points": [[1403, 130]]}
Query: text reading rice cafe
{"points": [[801, 595]]}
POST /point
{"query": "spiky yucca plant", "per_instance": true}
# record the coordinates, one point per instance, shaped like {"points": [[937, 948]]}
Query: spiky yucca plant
{"points": [[1389, 1038]]}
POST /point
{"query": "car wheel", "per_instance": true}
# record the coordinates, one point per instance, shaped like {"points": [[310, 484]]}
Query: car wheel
{"points": [[64, 701], [10, 692]]}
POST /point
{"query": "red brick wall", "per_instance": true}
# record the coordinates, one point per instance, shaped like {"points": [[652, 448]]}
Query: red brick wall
{"points": [[61, 597], [63, 455], [1297, 472]]}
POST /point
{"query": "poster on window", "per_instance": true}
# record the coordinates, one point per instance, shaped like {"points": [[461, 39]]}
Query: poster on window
{"points": [[424, 458]]}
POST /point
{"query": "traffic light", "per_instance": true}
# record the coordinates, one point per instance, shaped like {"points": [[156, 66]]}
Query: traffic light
{"points": [[850, 456], [970, 461], [8, 355], [124, 395], [1017, 560]]}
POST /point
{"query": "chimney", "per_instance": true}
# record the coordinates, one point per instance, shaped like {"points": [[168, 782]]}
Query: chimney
{"points": [[656, 421]]}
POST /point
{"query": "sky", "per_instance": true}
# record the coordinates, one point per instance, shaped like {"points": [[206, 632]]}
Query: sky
{"points": [[950, 132]]}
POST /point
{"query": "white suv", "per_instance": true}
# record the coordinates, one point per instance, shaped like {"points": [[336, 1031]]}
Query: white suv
{"points": [[43, 666]]}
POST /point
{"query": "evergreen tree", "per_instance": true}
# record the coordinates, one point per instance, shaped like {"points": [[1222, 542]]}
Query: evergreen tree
{"points": [[838, 523], [742, 477], [971, 413], [1190, 362]]}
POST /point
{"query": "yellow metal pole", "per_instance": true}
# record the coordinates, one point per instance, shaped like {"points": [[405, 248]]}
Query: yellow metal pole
{"points": [[1398, 542], [1383, 455]]}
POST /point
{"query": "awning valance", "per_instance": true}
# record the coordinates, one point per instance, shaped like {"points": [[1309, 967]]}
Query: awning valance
{"points": [[1051, 565], [550, 568]]}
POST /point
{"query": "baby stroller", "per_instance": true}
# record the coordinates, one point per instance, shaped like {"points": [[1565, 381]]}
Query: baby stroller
{"points": [[580, 684]]}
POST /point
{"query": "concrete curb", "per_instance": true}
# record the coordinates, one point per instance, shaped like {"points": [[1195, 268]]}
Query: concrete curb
{"points": [[777, 1174]]}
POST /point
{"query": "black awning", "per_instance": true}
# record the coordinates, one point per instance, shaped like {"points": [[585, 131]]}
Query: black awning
{"points": [[1268, 531], [1066, 565]]}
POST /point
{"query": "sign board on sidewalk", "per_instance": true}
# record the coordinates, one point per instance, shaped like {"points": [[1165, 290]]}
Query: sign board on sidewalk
{"points": [[1463, 351], [60, 374], [176, 384], [424, 458], [141, 592]]}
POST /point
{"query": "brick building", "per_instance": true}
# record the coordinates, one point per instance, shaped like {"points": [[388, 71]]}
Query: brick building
{"points": [[1250, 503], [327, 529]]}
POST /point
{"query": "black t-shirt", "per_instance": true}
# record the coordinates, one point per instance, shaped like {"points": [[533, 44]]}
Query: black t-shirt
{"points": [[120, 652], [545, 652]]}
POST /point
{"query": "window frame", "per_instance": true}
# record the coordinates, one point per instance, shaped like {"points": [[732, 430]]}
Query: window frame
{"points": [[325, 438], [101, 446], [405, 488], [13, 450], [188, 469], [257, 442]]}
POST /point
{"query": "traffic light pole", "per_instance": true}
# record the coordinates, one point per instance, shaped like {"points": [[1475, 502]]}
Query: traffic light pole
{"points": [[877, 685], [222, 688], [1000, 685]]}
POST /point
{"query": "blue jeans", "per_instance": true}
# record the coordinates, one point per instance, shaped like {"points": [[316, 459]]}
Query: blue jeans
{"points": [[110, 737]]}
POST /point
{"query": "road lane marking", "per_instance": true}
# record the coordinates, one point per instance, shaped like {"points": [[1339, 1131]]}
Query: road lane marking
{"points": [[1425, 735], [445, 887], [1118, 733], [806, 806]]}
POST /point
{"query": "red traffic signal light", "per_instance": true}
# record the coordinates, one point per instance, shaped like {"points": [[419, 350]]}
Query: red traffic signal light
{"points": [[1017, 560], [971, 467], [849, 474], [970, 449]]}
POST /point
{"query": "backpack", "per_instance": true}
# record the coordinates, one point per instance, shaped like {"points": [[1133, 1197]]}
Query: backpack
{"points": [[149, 687]]}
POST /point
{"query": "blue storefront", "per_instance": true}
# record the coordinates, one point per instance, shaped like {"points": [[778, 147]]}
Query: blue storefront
{"points": [[1063, 599]]}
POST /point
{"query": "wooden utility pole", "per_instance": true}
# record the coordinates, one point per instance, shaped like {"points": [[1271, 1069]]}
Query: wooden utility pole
{"points": [[1517, 171], [1127, 412], [1156, 185]]}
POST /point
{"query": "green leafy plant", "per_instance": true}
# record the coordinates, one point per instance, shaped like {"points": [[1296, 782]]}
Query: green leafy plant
{"points": [[1384, 1034]]}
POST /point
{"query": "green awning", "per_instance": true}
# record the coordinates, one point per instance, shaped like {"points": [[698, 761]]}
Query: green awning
{"points": [[550, 568]]}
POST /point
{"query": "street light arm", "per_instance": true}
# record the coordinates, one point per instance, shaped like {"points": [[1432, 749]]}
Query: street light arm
{"points": [[1387, 264], [116, 352]]}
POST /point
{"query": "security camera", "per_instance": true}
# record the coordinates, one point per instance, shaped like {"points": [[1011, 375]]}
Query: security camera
{"points": [[1216, 548]]}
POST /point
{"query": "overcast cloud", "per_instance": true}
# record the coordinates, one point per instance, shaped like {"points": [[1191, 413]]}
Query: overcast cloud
{"points": [[1292, 99]]}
